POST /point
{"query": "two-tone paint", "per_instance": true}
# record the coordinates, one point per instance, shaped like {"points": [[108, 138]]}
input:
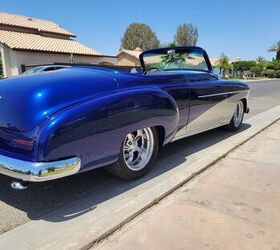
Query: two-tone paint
{"points": [[86, 113]]}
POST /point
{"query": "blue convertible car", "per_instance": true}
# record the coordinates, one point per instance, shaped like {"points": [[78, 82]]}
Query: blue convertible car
{"points": [[64, 122]]}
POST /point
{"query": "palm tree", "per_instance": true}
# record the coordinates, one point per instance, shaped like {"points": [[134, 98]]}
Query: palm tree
{"points": [[224, 64], [275, 48], [261, 59]]}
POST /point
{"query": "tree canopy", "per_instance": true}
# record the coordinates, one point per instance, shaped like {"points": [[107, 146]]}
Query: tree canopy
{"points": [[170, 44], [273, 65], [186, 35], [244, 65], [139, 35]]}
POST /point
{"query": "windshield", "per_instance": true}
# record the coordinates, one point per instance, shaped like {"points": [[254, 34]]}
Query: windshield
{"points": [[175, 59]]}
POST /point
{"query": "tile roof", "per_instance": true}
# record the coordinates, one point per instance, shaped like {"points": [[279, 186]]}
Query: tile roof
{"points": [[34, 42], [134, 53], [32, 23]]}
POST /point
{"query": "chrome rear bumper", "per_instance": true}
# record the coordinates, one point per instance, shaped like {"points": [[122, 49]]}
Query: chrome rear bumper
{"points": [[38, 171]]}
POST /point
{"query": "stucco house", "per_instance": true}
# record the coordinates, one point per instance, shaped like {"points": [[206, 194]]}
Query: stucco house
{"points": [[32, 41]]}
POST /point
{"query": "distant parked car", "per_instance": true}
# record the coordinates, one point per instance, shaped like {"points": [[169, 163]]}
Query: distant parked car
{"points": [[82, 118], [44, 68]]}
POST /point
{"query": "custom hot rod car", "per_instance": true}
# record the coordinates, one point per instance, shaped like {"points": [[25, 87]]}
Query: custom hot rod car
{"points": [[59, 123]]}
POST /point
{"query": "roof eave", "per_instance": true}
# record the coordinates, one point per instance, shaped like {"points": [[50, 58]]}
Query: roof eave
{"points": [[127, 53], [55, 52]]}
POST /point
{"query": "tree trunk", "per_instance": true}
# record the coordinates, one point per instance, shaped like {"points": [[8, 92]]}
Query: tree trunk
{"points": [[278, 55]]}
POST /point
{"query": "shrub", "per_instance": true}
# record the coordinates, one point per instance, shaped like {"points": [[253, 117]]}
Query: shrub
{"points": [[269, 73], [277, 73], [256, 70], [244, 65], [270, 65], [273, 65]]}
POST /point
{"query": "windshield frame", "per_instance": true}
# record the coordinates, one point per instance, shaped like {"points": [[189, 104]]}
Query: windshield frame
{"points": [[185, 49]]}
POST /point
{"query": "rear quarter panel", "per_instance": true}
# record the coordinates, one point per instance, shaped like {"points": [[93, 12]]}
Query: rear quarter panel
{"points": [[94, 130]]}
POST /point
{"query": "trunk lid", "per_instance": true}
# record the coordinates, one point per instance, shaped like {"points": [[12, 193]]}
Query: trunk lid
{"points": [[27, 100]]}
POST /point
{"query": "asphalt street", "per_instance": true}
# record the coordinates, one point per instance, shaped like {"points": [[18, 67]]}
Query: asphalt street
{"points": [[18, 207]]}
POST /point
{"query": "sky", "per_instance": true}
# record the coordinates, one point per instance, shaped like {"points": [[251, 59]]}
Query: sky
{"points": [[244, 29]]}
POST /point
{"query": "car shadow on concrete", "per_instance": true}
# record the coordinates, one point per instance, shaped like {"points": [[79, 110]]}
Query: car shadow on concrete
{"points": [[97, 186]]}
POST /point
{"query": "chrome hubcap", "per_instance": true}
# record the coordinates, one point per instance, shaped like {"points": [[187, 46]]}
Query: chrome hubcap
{"points": [[138, 148], [238, 114]]}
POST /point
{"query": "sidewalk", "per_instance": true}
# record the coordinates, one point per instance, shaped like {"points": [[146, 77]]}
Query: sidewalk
{"points": [[233, 205]]}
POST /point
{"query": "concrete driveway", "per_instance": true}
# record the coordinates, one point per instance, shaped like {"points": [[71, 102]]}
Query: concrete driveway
{"points": [[36, 202]]}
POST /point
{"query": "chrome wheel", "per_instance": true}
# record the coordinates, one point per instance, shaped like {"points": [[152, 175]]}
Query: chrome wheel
{"points": [[238, 114], [138, 149]]}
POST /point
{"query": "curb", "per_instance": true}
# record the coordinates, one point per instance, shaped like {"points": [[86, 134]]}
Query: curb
{"points": [[84, 231], [260, 80]]}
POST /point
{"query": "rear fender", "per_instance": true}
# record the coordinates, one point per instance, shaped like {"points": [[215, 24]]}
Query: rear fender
{"points": [[94, 130]]}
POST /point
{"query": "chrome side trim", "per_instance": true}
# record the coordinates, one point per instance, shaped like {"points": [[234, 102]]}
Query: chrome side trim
{"points": [[224, 93], [38, 171]]}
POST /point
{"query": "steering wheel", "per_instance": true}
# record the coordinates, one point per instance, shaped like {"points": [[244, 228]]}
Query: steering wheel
{"points": [[153, 68]]}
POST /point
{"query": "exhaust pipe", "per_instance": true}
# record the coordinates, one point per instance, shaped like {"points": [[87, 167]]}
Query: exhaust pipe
{"points": [[19, 185]]}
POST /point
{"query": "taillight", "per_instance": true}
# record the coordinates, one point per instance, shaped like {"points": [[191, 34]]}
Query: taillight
{"points": [[24, 142]]}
